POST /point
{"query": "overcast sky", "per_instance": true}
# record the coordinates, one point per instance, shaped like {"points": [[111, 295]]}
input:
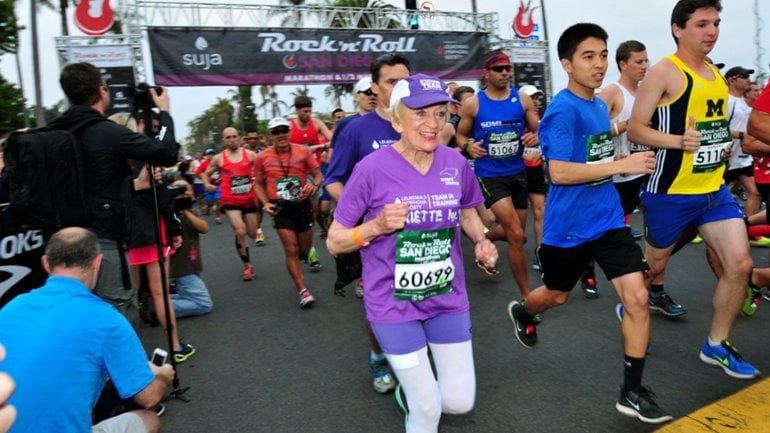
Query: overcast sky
{"points": [[644, 20]]}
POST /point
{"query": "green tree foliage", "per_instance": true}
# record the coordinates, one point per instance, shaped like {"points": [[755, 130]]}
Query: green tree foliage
{"points": [[206, 129], [245, 109], [379, 11], [11, 105], [379, 14], [271, 103], [9, 28]]}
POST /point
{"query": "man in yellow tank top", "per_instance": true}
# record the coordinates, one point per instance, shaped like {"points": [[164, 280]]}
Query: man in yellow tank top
{"points": [[680, 110]]}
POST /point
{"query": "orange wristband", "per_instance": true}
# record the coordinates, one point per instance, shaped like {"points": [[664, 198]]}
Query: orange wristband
{"points": [[357, 239]]}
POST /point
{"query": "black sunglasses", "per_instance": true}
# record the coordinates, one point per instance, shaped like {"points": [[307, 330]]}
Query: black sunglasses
{"points": [[367, 92], [279, 130], [251, 138], [500, 68]]}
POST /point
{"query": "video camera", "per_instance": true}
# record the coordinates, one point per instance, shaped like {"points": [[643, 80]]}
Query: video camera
{"points": [[141, 94]]}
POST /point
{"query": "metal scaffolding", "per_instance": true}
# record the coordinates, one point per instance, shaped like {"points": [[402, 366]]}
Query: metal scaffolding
{"points": [[142, 14], [138, 16], [134, 41]]}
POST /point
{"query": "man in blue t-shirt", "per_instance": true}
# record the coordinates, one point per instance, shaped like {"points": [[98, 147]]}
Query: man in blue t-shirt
{"points": [[492, 131], [63, 342], [360, 137], [577, 144]]}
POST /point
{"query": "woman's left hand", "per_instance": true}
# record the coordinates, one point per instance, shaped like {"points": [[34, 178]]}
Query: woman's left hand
{"points": [[486, 253]]}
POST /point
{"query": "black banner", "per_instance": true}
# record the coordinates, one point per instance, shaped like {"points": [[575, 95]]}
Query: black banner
{"points": [[529, 68], [201, 57], [20, 253]]}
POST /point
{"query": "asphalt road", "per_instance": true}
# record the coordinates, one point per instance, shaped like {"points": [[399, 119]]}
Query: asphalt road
{"points": [[264, 365]]}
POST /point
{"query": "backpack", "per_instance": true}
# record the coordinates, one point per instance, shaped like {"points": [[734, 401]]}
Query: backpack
{"points": [[45, 174]]}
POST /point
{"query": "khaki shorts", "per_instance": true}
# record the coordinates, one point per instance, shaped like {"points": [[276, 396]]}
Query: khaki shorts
{"points": [[128, 422]]}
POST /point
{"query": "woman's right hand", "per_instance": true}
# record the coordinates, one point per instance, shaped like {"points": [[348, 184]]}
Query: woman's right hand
{"points": [[392, 217]]}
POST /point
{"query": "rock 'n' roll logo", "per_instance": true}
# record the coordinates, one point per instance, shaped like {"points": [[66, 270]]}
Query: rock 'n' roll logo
{"points": [[289, 62], [523, 25], [94, 17]]}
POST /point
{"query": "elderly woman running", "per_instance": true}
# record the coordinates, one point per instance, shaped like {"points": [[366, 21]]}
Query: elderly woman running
{"points": [[414, 198]]}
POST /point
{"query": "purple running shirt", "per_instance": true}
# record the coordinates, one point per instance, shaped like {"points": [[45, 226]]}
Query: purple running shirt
{"points": [[415, 273]]}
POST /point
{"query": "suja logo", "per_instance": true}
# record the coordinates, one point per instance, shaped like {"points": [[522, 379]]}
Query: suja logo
{"points": [[207, 60]]}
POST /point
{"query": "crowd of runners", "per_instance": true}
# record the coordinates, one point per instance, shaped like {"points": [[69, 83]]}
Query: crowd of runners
{"points": [[394, 189]]}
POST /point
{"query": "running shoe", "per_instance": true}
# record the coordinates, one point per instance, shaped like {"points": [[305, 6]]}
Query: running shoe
{"points": [[305, 298], [259, 239], [248, 272], [159, 409], [766, 295], [752, 301], [184, 353], [727, 357], [218, 220], [588, 282], [639, 403], [489, 270], [382, 378], [697, 240], [636, 234], [360, 288], [312, 260], [524, 328], [146, 309], [401, 402], [663, 303], [535, 261], [619, 311], [760, 241]]}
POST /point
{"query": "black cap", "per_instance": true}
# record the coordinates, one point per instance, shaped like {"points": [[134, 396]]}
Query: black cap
{"points": [[738, 70]]}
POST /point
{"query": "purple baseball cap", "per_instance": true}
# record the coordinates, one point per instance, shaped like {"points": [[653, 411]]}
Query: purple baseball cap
{"points": [[420, 91]]}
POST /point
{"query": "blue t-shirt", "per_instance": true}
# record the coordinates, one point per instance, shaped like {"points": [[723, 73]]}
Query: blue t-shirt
{"points": [[360, 137], [340, 126], [500, 124], [574, 129], [62, 343]]}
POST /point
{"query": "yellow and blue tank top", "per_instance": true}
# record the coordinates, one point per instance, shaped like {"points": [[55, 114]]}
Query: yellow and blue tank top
{"points": [[698, 172]]}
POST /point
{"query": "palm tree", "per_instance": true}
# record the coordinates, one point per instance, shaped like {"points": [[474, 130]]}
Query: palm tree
{"points": [[335, 91], [271, 104], [379, 9], [247, 117], [294, 16], [302, 91]]}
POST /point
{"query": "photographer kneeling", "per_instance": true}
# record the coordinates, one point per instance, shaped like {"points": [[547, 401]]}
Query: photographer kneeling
{"points": [[192, 297]]}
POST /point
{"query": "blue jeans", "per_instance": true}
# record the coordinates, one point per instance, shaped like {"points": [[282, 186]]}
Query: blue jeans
{"points": [[192, 297]]}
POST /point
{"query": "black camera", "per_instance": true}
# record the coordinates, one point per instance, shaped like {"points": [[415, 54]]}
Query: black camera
{"points": [[142, 97], [183, 203]]}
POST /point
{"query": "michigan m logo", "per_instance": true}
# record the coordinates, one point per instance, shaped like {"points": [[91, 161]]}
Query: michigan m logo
{"points": [[715, 108]]}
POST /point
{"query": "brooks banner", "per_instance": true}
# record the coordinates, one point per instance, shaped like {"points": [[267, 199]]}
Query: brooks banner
{"points": [[205, 57]]}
